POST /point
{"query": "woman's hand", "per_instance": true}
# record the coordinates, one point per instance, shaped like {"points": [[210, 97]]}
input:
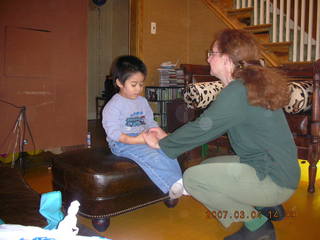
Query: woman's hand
{"points": [[151, 139], [158, 132]]}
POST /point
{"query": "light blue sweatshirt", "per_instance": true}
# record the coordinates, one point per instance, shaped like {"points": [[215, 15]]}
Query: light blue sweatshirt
{"points": [[127, 116]]}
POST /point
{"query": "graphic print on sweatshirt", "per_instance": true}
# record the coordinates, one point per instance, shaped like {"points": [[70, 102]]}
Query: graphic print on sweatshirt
{"points": [[136, 119]]}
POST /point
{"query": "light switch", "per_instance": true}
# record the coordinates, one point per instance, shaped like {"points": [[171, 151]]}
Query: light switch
{"points": [[153, 28]]}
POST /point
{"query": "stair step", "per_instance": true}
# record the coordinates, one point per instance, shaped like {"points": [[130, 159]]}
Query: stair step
{"points": [[278, 47], [243, 15], [296, 63], [284, 57], [263, 37], [257, 29], [240, 13]]}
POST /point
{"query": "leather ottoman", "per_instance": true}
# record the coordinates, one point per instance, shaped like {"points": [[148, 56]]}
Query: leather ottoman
{"points": [[19, 203], [104, 184]]}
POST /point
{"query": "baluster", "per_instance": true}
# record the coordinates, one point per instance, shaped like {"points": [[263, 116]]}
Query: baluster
{"points": [[255, 12], [302, 22], [310, 30], [243, 4], [274, 21], [295, 31], [237, 4], [288, 20], [281, 21], [268, 12], [261, 11], [249, 3]]}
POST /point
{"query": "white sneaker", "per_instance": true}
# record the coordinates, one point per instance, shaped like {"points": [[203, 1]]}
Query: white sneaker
{"points": [[177, 190]]}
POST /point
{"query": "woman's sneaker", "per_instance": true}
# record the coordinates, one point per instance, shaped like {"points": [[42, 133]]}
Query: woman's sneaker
{"points": [[276, 213], [265, 232]]}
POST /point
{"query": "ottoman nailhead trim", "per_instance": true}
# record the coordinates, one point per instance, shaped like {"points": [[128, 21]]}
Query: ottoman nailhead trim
{"points": [[123, 211]]}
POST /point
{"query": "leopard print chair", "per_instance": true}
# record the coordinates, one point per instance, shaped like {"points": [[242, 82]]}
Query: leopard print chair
{"points": [[200, 95]]}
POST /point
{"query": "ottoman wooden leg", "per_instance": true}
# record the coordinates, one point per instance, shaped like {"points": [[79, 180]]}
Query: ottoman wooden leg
{"points": [[171, 203], [101, 224]]}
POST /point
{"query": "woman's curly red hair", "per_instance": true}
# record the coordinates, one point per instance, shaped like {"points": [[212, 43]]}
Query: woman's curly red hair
{"points": [[267, 87]]}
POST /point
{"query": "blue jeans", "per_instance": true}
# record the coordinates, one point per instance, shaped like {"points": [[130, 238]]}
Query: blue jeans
{"points": [[161, 169]]}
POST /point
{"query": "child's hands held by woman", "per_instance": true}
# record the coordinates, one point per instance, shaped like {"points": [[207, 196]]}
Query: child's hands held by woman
{"points": [[158, 132], [151, 139]]}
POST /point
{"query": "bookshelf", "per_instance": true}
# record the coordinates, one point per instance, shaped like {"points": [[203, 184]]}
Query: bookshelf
{"points": [[158, 97]]}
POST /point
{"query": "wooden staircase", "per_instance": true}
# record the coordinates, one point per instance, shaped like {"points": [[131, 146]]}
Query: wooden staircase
{"points": [[274, 53]]}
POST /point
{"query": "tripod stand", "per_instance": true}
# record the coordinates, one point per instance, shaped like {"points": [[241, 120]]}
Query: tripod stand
{"points": [[17, 137]]}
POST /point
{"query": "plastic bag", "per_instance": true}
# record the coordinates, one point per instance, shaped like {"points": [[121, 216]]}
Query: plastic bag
{"points": [[50, 208]]}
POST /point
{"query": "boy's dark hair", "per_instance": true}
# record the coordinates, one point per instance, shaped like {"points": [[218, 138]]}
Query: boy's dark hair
{"points": [[125, 66]]}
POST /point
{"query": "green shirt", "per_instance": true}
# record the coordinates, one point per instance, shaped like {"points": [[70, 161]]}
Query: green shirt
{"points": [[260, 137]]}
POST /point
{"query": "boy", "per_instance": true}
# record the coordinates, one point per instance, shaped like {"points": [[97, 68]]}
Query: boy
{"points": [[127, 117]]}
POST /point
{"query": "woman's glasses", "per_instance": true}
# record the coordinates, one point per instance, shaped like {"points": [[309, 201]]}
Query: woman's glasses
{"points": [[211, 53]]}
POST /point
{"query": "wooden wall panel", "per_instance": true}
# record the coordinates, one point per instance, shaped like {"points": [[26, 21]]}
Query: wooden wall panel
{"points": [[204, 24], [43, 66], [170, 41], [23, 44], [185, 30]]}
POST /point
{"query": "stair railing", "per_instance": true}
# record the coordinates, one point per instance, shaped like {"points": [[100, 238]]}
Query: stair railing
{"points": [[296, 21]]}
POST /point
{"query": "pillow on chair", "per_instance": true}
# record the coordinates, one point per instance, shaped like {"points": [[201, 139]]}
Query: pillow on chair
{"points": [[301, 97], [200, 95]]}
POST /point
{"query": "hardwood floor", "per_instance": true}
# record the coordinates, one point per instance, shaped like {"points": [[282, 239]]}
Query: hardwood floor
{"points": [[189, 219]]}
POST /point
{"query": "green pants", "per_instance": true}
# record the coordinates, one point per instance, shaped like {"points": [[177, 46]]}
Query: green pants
{"points": [[231, 190]]}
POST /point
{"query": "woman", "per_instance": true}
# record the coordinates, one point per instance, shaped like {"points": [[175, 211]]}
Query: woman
{"points": [[265, 171]]}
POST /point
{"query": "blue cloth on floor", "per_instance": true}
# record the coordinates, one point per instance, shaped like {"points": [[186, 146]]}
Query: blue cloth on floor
{"points": [[50, 208]]}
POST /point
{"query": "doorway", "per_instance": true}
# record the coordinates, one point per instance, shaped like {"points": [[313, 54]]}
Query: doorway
{"points": [[108, 37]]}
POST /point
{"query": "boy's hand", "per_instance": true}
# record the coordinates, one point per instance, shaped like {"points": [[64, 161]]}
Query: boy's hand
{"points": [[151, 139], [158, 132]]}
